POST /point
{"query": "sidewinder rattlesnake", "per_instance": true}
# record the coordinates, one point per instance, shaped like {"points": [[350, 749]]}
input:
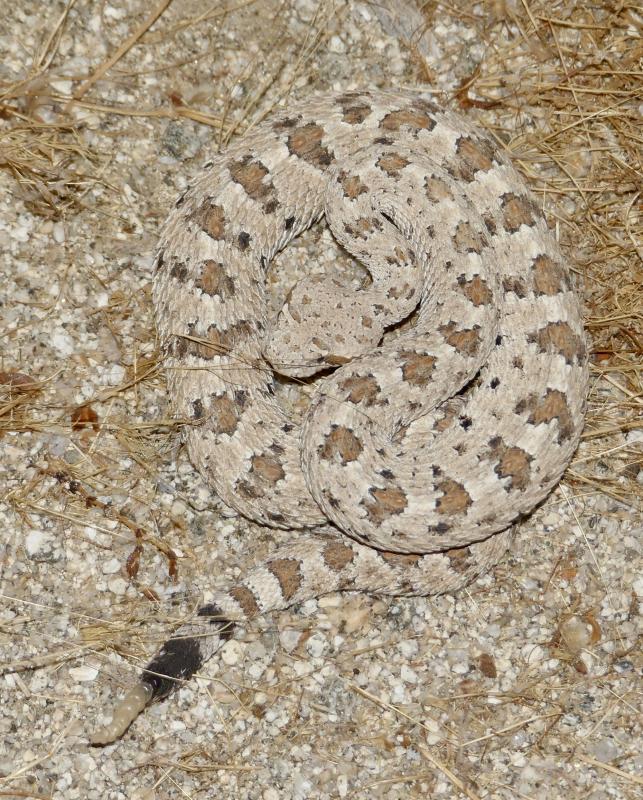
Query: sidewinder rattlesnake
{"points": [[420, 447]]}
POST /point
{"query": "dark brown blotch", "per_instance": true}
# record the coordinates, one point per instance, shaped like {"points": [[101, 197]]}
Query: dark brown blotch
{"points": [[489, 223], [476, 290], [417, 368], [403, 560], [392, 163], [337, 555], [454, 500], [361, 389], [354, 108], [518, 210], [469, 240], [210, 219], [215, 343], [447, 415], [285, 123], [218, 341], [306, 143], [553, 406], [246, 600], [516, 285], [414, 120], [253, 176], [550, 277], [352, 185], [474, 155], [460, 559], [287, 571], [224, 414], [437, 189], [248, 490], [559, 338], [341, 445], [385, 503], [465, 340], [267, 468], [511, 462], [213, 280]]}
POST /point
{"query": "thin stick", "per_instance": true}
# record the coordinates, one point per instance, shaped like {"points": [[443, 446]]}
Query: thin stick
{"points": [[431, 759], [602, 765], [120, 52]]}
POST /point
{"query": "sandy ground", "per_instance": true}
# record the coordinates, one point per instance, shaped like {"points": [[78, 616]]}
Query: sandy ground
{"points": [[524, 686]]}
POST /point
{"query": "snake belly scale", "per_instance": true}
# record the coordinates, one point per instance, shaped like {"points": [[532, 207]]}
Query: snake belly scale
{"points": [[453, 381]]}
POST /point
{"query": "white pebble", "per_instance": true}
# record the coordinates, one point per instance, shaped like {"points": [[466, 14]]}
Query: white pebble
{"points": [[83, 673], [114, 375], [533, 653], [408, 648], [117, 586], [36, 541], [20, 234], [63, 344], [232, 652], [408, 675], [59, 232], [289, 639], [112, 566], [316, 645], [336, 45]]}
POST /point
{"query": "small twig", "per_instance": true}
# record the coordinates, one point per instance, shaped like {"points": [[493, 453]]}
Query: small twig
{"points": [[47, 659], [120, 51], [602, 765], [434, 761]]}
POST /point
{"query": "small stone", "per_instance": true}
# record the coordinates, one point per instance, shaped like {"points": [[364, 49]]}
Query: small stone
{"points": [[316, 645], [408, 675], [408, 648], [59, 232], [114, 375], [83, 674], [37, 542], [533, 654], [289, 639], [111, 567], [604, 750], [117, 586], [179, 143], [336, 45], [232, 652], [63, 344]]}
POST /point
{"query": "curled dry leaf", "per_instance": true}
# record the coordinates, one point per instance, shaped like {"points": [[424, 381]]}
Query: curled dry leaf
{"points": [[133, 561], [84, 417], [487, 665], [17, 381]]}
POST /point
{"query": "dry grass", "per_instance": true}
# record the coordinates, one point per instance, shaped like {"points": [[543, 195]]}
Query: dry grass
{"points": [[561, 95]]}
